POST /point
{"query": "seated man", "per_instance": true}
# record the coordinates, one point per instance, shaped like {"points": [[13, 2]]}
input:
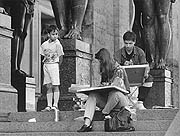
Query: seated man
{"points": [[133, 55]]}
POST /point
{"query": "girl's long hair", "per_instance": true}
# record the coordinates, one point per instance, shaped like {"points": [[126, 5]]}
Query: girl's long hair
{"points": [[106, 64]]}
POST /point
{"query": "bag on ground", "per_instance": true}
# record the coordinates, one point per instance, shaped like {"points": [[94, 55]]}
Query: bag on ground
{"points": [[120, 121]]}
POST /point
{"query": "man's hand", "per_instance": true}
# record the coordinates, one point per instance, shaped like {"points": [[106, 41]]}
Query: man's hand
{"points": [[104, 84], [126, 63], [3, 11]]}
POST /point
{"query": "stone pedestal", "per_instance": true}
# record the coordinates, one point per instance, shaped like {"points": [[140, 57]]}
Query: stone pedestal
{"points": [[25, 87], [8, 94], [75, 69], [160, 94]]}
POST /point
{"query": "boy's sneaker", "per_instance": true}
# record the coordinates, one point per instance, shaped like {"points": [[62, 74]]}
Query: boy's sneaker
{"points": [[54, 108], [48, 108]]}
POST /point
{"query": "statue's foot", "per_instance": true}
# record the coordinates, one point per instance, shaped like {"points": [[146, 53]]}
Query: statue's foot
{"points": [[21, 73], [73, 34], [161, 65], [62, 33]]}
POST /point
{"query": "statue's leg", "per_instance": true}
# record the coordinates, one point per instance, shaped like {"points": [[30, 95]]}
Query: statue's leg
{"points": [[137, 26], [22, 13], [18, 18], [28, 19], [61, 9], [148, 21], [162, 8], [77, 11], [88, 17]]}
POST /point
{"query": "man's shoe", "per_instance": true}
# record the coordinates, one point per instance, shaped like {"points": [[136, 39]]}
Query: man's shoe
{"points": [[106, 116], [85, 128]]}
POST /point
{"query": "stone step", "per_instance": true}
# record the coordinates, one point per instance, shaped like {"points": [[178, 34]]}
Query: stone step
{"points": [[156, 114], [43, 116], [134, 133], [73, 126], [4, 117], [150, 114]]}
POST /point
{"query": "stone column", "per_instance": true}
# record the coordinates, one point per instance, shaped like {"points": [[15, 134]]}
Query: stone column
{"points": [[8, 94], [160, 94]]}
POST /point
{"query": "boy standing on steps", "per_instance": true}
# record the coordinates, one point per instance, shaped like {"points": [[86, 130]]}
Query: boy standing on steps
{"points": [[53, 55]]}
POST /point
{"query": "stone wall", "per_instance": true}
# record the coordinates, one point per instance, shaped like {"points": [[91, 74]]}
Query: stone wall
{"points": [[104, 24]]}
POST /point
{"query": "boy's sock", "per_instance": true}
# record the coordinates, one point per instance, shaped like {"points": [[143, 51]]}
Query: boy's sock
{"points": [[49, 99], [56, 99]]}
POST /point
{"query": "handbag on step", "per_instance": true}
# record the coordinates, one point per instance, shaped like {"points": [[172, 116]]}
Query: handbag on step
{"points": [[120, 121]]}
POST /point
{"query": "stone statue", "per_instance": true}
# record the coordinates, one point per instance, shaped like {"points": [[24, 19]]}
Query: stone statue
{"points": [[21, 12], [151, 24], [69, 15]]}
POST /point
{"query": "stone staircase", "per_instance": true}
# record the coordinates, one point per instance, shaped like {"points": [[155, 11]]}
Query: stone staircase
{"points": [[149, 123]]}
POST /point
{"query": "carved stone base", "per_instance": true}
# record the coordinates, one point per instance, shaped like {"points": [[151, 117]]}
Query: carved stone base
{"points": [[75, 69], [18, 82], [8, 94], [8, 98], [30, 99], [160, 93]]}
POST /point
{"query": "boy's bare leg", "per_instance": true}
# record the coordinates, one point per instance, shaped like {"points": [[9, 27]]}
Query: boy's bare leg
{"points": [[49, 97]]}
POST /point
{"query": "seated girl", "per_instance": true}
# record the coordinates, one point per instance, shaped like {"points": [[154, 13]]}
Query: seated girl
{"points": [[111, 74]]}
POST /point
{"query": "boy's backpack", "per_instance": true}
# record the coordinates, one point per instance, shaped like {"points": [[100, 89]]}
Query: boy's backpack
{"points": [[120, 121]]}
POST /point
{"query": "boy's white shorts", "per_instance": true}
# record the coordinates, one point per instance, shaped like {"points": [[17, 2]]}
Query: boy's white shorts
{"points": [[51, 74]]}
